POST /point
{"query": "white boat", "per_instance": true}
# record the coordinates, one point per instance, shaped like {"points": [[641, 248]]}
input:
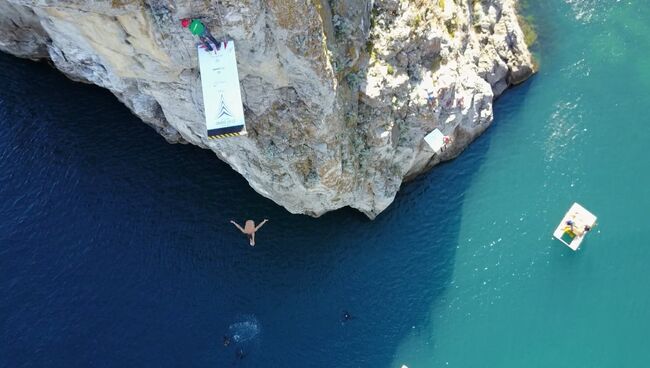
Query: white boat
{"points": [[574, 226]]}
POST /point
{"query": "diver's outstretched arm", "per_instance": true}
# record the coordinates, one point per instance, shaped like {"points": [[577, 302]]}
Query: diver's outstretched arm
{"points": [[260, 225], [237, 225]]}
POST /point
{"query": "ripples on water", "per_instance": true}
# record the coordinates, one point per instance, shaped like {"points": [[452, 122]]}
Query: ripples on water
{"points": [[591, 11], [116, 248], [245, 330]]}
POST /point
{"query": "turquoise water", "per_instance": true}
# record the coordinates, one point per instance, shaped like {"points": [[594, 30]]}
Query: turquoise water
{"points": [[116, 251], [578, 131]]}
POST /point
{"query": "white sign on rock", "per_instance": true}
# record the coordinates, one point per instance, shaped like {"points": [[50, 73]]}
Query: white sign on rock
{"points": [[224, 111], [435, 140]]}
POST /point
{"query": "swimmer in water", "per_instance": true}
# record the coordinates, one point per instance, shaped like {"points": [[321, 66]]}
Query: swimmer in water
{"points": [[240, 353], [249, 229], [346, 316], [226, 340]]}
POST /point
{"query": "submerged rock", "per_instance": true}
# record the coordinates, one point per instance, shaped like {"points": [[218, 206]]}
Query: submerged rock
{"points": [[334, 91]]}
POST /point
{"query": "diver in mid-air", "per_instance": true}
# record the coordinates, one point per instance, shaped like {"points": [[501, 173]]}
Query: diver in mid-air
{"points": [[249, 229]]}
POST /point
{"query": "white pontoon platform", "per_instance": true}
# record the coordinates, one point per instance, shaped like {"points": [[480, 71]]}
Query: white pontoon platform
{"points": [[574, 226]]}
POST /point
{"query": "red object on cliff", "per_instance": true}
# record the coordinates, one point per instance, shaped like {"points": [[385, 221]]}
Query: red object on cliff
{"points": [[185, 22]]}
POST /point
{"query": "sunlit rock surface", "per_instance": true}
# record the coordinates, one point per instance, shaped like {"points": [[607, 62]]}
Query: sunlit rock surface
{"points": [[335, 93]]}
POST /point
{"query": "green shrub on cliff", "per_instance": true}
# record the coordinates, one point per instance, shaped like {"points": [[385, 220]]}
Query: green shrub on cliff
{"points": [[526, 24]]}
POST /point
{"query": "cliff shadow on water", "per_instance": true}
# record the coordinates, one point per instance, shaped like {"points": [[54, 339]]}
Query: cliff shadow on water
{"points": [[119, 247]]}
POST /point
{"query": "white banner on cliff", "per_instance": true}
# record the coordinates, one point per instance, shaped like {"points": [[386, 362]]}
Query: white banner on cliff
{"points": [[224, 112]]}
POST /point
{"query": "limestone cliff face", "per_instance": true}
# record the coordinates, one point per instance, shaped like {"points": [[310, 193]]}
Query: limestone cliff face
{"points": [[334, 91]]}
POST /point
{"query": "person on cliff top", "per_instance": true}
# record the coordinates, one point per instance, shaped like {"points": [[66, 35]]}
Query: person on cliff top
{"points": [[249, 229], [431, 99], [446, 140], [200, 30]]}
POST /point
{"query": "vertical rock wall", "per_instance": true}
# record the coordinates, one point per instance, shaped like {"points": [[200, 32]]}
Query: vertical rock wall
{"points": [[334, 91]]}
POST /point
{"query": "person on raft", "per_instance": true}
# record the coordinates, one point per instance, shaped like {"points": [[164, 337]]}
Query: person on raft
{"points": [[249, 229], [570, 224], [201, 30]]}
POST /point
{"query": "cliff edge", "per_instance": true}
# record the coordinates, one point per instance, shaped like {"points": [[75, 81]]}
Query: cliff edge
{"points": [[335, 92]]}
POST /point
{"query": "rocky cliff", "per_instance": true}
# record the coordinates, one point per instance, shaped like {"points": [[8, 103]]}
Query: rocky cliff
{"points": [[335, 92]]}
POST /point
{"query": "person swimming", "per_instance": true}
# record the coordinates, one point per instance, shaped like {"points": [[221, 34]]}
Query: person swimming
{"points": [[249, 229], [226, 340], [240, 354], [346, 316]]}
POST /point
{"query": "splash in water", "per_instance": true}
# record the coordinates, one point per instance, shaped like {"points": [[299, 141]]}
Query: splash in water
{"points": [[245, 330]]}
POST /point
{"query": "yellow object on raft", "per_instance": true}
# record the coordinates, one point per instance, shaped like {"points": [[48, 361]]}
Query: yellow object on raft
{"points": [[568, 231]]}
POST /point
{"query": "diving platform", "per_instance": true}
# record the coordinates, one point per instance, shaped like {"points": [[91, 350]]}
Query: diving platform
{"points": [[577, 222]]}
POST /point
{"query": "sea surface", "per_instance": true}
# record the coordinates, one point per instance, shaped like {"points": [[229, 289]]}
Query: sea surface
{"points": [[116, 251]]}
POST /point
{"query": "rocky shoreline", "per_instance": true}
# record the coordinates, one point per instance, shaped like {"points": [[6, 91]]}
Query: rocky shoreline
{"points": [[335, 92]]}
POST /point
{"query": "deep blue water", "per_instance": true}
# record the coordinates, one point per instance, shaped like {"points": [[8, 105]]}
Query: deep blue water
{"points": [[116, 248], [116, 251]]}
